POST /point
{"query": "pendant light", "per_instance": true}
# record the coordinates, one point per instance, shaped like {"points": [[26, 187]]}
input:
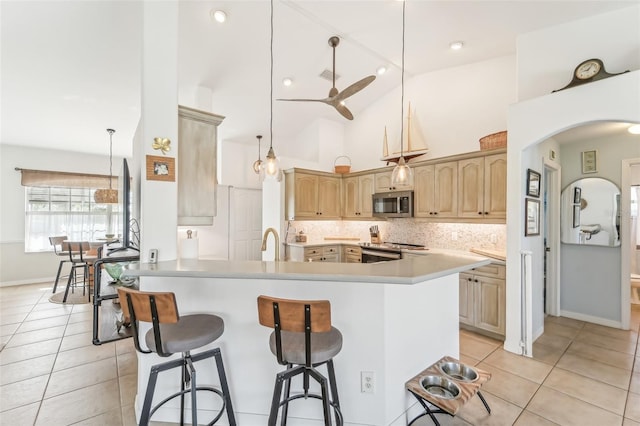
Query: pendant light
{"points": [[270, 169], [258, 162], [108, 196], [402, 174]]}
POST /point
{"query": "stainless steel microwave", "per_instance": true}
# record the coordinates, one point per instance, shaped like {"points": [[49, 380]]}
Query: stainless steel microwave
{"points": [[393, 204]]}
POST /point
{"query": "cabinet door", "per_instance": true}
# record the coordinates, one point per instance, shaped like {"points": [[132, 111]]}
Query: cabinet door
{"points": [[471, 187], [306, 195], [383, 182], [445, 197], [366, 189], [329, 206], [489, 309], [423, 201], [351, 200], [466, 298], [495, 186]]}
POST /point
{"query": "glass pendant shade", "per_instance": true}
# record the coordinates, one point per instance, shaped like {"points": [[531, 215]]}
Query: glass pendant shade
{"points": [[402, 174], [270, 169], [258, 162], [103, 195]]}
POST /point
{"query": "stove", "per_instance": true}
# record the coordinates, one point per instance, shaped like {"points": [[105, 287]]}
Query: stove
{"points": [[374, 253]]}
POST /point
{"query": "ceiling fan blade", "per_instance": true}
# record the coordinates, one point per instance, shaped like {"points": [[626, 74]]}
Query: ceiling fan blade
{"points": [[303, 100], [343, 110], [355, 87]]}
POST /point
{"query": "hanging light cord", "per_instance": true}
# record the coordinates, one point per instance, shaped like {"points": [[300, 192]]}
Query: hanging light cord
{"points": [[111, 132], [402, 87], [271, 84]]}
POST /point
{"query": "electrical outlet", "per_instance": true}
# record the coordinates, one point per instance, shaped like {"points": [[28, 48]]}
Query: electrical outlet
{"points": [[454, 236], [367, 382]]}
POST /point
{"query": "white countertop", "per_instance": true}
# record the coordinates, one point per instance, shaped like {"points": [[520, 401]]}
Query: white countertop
{"points": [[315, 243], [405, 271]]}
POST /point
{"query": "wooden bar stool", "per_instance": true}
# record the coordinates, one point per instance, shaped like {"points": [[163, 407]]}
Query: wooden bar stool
{"points": [[303, 339], [56, 242], [79, 258], [172, 333]]}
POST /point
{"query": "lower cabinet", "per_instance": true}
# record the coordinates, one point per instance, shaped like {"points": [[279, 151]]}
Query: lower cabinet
{"points": [[351, 254], [328, 253], [482, 298]]}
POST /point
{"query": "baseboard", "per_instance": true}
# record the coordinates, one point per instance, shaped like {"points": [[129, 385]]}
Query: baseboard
{"points": [[589, 318], [29, 281]]}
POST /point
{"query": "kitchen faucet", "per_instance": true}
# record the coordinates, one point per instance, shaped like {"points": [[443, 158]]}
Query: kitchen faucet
{"points": [[277, 241]]}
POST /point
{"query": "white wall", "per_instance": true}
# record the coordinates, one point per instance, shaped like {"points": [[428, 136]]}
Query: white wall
{"points": [[451, 109], [547, 58], [16, 266]]}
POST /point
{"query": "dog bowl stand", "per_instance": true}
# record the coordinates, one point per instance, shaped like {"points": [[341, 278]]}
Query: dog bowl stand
{"points": [[449, 406]]}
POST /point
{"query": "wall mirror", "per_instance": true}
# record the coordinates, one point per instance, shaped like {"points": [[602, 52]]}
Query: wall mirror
{"points": [[590, 212]]}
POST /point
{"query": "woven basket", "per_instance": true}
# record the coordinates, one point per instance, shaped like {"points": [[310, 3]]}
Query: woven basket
{"points": [[494, 141], [342, 168]]}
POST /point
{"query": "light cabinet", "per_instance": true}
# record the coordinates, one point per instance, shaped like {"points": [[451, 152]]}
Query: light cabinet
{"points": [[482, 298], [351, 254], [383, 182], [197, 135], [312, 195], [357, 191], [328, 253], [435, 190], [482, 187]]}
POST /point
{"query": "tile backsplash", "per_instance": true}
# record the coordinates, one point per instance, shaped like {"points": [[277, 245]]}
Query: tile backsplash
{"points": [[459, 236]]}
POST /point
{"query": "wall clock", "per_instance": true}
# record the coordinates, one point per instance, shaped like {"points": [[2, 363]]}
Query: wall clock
{"points": [[588, 71]]}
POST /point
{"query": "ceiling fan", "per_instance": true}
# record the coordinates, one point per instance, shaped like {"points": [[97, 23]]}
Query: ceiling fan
{"points": [[335, 97]]}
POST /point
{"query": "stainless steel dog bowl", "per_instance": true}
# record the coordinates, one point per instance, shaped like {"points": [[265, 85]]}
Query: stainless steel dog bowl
{"points": [[440, 387], [459, 371]]}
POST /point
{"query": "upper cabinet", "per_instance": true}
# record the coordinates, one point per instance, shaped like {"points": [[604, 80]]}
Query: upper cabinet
{"points": [[469, 188], [482, 187], [357, 191], [435, 190], [312, 195], [197, 136], [383, 183]]}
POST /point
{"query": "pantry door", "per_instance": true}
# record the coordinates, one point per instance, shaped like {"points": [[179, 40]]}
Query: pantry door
{"points": [[245, 224]]}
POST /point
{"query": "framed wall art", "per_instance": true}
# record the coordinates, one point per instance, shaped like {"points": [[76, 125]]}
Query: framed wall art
{"points": [[576, 216], [161, 168], [577, 194], [533, 183], [531, 217], [590, 161]]}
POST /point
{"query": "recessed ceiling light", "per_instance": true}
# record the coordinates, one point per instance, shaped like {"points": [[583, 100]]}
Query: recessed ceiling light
{"points": [[634, 130], [456, 45], [218, 15], [287, 81], [381, 70]]}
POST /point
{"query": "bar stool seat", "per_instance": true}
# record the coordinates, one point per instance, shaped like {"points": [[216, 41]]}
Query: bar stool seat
{"points": [[303, 339], [191, 332], [172, 333]]}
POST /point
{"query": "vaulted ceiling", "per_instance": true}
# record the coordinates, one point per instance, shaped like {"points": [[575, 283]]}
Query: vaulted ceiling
{"points": [[71, 69]]}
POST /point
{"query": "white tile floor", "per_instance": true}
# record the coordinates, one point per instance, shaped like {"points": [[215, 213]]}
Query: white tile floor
{"points": [[51, 374]]}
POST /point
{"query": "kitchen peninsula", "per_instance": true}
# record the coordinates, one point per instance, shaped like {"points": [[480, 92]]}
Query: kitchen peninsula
{"points": [[396, 318]]}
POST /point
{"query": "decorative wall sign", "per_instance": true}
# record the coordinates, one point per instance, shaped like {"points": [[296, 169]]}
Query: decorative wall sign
{"points": [[161, 168], [533, 183], [532, 217], [590, 161]]}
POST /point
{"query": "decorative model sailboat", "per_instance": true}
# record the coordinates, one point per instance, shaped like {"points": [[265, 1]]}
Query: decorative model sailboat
{"points": [[410, 152]]}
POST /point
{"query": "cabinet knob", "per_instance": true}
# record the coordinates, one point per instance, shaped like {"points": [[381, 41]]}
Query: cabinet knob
{"points": [[469, 279], [480, 213], [475, 280], [435, 212], [486, 213]]}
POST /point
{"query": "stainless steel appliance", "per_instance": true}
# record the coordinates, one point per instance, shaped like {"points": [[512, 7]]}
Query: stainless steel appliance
{"points": [[373, 253], [393, 204]]}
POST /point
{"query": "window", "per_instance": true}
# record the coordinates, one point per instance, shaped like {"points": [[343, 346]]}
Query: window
{"points": [[52, 211]]}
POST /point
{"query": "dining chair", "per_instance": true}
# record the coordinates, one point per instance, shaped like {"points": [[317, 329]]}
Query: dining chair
{"points": [[80, 258]]}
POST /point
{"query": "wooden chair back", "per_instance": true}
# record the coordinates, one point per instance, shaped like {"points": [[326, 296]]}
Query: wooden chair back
{"points": [[165, 303], [292, 314], [56, 242], [76, 249]]}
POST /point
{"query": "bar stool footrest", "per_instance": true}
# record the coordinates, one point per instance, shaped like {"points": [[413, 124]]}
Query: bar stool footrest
{"points": [[186, 391]]}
